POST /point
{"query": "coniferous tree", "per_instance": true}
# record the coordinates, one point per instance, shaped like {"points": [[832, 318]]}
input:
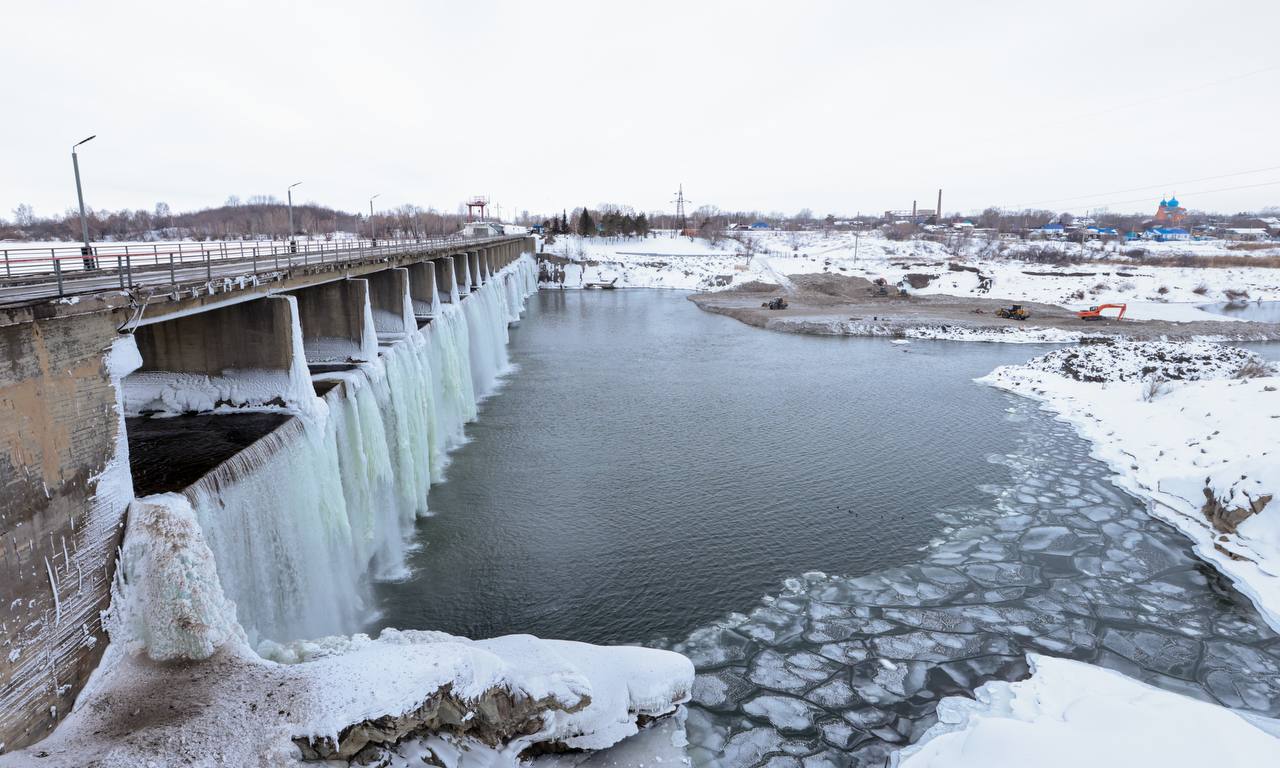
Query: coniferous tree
{"points": [[586, 225], [642, 225]]}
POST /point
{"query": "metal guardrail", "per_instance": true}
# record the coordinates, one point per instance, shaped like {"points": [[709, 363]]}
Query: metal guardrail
{"points": [[55, 266]]}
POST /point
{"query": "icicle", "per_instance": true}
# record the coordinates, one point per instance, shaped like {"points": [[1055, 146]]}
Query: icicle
{"points": [[299, 520]]}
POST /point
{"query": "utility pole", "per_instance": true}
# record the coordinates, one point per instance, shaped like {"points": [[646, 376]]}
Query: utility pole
{"points": [[373, 232], [86, 252], [293, 244]]}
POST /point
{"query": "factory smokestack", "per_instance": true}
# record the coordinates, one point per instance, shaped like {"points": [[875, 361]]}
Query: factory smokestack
{"points": [[939, 206]]}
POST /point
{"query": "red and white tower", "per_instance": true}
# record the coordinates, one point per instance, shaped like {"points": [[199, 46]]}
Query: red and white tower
{"points": [[476, 202]]}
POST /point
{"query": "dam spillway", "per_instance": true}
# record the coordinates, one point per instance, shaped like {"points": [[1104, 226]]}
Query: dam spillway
{"points": [[302, 518], [309, 367]]}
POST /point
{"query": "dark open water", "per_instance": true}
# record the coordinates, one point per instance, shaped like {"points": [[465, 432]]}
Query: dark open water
{"points": [[837, 531]]}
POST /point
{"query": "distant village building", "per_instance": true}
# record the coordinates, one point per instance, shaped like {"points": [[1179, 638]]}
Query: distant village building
{"points": [[1247, 233], [1051, 230], [1167, 234]]}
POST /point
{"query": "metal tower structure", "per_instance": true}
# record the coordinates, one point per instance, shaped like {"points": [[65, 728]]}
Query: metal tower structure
{"points": [[477, 201], [680, 201]]}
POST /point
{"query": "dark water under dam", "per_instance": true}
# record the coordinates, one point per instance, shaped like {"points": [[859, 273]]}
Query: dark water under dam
{"points": [[838, 531], [652, 466]]}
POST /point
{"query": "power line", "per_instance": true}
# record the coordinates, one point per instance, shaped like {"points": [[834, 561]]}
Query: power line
{"points": [[1197, 192], [1167, 185], [1176, 92]]}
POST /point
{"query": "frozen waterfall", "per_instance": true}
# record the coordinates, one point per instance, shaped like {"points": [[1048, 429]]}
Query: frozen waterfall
{"points": [[301, 520]]}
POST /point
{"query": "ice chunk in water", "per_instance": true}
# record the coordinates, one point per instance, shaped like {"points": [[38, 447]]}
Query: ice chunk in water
{"points": [[1170, 654], [750, 747], [1052, 540], [827, 759], [772, 625], [840, 734], [1015, 522], [849, 652], [770, 669], [713, 646], [835, 694], [719, 689], [1003, 574], [939, 619], [783, 712]]}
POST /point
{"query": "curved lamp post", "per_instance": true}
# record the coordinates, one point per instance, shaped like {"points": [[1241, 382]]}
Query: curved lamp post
{"points": [[87, 250]]}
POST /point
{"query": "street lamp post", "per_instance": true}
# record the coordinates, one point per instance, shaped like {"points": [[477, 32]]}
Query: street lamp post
{"points": [[293, 244], [373, 232], [87, 250]]}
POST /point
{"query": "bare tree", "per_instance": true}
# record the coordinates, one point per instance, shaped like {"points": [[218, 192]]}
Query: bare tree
{"points": [[24, 215]]}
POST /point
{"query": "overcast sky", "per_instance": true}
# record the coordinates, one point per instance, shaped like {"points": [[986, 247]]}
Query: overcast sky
{"points": [[835, 106]]}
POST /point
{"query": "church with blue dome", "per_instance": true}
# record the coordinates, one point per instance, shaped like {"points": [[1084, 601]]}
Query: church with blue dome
{"points": [[1170, 213]]}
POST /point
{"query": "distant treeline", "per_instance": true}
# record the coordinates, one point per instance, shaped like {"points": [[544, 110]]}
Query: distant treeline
{"points": [[610, 222], [259, 217]]}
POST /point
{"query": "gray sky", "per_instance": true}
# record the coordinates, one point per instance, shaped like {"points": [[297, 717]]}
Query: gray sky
{"points": [[836, 106]]}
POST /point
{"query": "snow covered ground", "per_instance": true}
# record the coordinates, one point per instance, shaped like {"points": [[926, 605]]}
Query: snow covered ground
{"points": [[1193, 429], [1151, 292], [1070, 714]]}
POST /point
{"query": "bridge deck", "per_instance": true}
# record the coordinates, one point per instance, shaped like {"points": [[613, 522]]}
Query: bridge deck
{"points": [[53, 273]]}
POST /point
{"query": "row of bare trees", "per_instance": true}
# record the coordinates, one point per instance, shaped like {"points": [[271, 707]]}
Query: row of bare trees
{"points": [[257, 217]]}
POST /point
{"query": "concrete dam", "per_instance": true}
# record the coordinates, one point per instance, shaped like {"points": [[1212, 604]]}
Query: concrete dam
{"points": [[300, 411]]}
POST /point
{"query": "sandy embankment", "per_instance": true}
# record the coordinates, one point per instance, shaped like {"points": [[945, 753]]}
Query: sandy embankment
{"points": [[830, 304]]}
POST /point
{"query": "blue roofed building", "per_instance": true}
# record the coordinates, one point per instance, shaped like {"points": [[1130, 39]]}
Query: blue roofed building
{"points": [[1168, 234]]}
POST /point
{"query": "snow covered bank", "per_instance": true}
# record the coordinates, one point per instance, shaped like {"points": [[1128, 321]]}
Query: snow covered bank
{"points": [[1192, 428], [179, 685], [1006, 271], [1071, 714]]}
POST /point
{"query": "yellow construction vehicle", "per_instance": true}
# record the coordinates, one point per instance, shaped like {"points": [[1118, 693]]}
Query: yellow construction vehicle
{"points": [[1013, 312]]}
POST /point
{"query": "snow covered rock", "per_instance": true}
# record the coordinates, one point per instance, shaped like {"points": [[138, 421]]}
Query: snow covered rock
{"points": [[1070, 714], [1105, 359]]}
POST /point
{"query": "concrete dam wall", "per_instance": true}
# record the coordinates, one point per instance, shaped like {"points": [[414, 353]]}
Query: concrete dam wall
{"points": [[340, 348]]}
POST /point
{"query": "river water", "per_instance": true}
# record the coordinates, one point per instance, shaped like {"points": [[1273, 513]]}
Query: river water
{"points": [[837, 531]]}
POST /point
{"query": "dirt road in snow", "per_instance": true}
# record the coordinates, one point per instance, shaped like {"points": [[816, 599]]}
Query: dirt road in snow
{"points": [[841, 305]]}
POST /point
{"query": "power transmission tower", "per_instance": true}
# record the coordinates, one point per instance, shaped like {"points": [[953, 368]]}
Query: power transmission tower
{"points": [[680, 201]]}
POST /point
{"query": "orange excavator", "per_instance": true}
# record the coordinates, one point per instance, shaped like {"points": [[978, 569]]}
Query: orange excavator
{"points": [[1095, 313]]}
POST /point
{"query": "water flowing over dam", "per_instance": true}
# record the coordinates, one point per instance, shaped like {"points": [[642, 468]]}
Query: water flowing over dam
{"points": [[301, 519], [301, 405]]}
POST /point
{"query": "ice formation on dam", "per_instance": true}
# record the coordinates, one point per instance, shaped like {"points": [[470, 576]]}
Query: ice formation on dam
{"points": [[300, 520]]}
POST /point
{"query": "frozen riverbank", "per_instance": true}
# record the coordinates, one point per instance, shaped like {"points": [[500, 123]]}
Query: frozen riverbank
{"points": [[1190, 428], [1058, 561], [1070, 714], [1164, 281]]}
